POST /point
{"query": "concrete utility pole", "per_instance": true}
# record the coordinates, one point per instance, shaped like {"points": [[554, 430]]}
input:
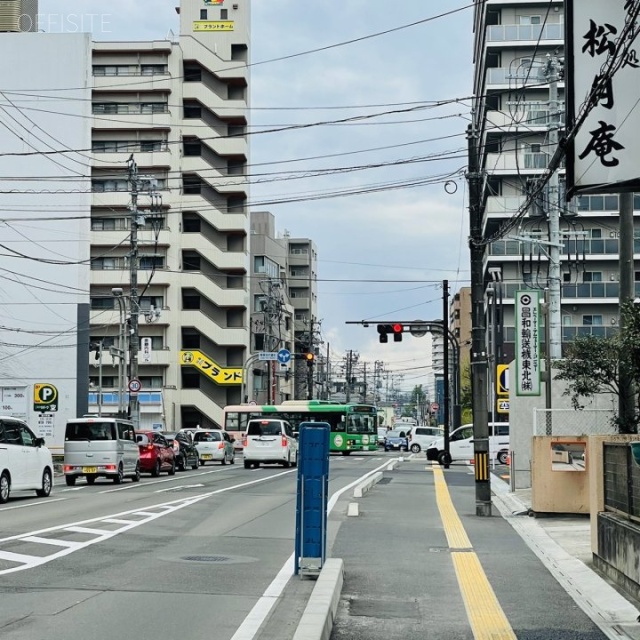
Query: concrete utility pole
{"points": [[626, 397], [554, 317], [310, 363], [134, 308], [445, 367], [478, 347]]}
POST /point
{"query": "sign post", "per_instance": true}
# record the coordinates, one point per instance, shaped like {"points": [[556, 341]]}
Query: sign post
{"points": [[312, 498]]}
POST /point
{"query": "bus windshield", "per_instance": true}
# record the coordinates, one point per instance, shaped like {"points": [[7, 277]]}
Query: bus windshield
{"points": [[361, 424]]}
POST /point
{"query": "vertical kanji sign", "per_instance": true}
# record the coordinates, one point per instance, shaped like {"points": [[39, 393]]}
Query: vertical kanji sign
{"points": [[603, 156], [528, 343]]}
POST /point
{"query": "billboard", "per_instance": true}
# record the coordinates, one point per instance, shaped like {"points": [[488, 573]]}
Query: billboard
{"points": [[603, 71]]}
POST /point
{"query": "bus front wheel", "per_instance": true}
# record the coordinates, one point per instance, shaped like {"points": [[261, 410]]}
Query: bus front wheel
{"points": [[346, 453]]}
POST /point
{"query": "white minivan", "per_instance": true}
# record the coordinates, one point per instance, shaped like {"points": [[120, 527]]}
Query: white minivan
{"points": [[25, 462], [96, 447], [269, 441], [423, 437], [461, 444]]}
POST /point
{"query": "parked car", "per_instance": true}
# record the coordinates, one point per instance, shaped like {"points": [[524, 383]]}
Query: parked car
{"points": [[214, 445], [424, 437], [183, 448], [95, 447], [461, 444], [396, 439], [269, 441], [156, 454], [25, 462]]}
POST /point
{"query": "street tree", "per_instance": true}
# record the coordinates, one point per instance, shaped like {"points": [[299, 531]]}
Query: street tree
{"points": [[592, 365]]}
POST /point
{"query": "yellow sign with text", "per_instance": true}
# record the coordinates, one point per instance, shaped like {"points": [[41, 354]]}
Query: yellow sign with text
{"points": [[220, 375], [502, 379], [502, 406], [213, 25]]}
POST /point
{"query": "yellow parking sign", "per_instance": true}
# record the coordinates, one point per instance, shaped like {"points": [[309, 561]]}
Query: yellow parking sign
{"points": [[502, 379]]}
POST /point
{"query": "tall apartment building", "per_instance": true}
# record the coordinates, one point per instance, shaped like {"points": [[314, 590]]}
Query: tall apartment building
{"points": [[178, 109], [513, 39], [303, 292], [460, 321], [272, 314]]}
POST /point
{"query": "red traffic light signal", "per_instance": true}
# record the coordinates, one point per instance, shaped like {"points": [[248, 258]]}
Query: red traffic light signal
{"points": [[396, 329], [397, 332]]}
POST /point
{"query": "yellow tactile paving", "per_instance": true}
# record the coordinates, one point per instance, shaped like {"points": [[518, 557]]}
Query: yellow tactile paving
{"points": [[486, 617]]}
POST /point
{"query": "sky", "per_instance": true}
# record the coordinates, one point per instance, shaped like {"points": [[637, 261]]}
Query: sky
{"points": [[387, 235]]}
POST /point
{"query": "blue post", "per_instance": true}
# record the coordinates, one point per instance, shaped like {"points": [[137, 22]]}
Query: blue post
{"points": [[312, 498]]}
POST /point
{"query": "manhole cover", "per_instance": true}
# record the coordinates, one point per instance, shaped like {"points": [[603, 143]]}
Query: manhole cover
{"points": [[207, 558], [385, 481], [217, 559]]}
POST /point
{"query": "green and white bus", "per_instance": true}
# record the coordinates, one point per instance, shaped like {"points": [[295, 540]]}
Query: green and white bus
{"points": [[353, 426]]}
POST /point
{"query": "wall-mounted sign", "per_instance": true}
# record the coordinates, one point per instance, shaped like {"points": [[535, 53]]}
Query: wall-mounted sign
{"points": [[45, 397], [220, 375], [211, 3], [602, 158], [528, 343], [213, 25], [502, 379], [145, 347], [502, 406]]}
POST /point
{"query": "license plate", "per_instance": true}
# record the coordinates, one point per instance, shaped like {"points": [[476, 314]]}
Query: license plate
{"points": [[89, 470], [207, 456]]}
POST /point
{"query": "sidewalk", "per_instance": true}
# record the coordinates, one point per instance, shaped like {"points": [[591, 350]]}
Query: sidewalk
{"points": [[399, 579]]}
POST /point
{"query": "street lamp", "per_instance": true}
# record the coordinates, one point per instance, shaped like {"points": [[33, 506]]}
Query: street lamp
{"points": [[121, 350]]}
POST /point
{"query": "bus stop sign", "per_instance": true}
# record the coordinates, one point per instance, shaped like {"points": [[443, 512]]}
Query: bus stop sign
{"points": [[312, 498]]}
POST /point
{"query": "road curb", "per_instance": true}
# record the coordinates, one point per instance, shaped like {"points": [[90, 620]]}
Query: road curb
{"points": [[318, 617], [363, 487]]}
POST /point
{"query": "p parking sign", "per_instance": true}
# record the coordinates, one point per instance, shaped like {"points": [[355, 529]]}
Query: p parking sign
{"points": [[45, 397]]}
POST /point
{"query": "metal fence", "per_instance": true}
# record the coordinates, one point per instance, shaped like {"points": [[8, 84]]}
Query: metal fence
{"points": [[621, 480], [567, 422]]}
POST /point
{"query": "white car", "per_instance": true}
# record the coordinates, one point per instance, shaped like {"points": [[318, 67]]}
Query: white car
{"points": [[424, 437], [25, 462], [213, 445], [269, 441]]}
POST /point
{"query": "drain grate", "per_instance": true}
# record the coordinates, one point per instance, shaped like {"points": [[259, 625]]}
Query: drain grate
{"points": [[207, 558]]}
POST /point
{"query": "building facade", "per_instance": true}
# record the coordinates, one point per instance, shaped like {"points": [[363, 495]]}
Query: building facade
{"points": [[460, 321], [272, 314], [178, 109], [514, 42]]}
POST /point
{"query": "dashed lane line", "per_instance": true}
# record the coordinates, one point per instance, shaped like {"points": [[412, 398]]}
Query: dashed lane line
{"points": [[128, 519]]}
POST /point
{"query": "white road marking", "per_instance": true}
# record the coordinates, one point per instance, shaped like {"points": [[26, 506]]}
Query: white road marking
{"points": [[135, 485], [74, 489], [32, 504], [182, 486], [155, 511], [255, 619], [52, 541]]}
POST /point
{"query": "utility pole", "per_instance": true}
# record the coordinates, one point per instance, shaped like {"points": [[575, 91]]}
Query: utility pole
{"points": [[310, 363], [445, 366], [551, 72], [134, 309], [478, 348], [626, 397], [364, 382]]}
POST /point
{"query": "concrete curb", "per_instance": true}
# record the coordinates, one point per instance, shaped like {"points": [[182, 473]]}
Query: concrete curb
{"points": [[364, 486], [317, 620]]}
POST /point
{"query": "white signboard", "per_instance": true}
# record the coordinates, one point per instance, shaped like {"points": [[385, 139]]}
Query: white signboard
{"points": [[46, 424], [528, 343], [604, 154], [13, 402], [145, 347]]}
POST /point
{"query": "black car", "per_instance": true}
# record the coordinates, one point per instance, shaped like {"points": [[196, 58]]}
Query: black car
{"points": [[184, 449]]}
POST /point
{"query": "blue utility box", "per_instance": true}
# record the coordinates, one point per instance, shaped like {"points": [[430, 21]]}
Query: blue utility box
{"points": [[312, 499]]}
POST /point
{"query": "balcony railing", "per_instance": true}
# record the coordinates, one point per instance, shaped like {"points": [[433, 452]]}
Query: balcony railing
{"points": [[604, 203], [582, 290], [518, 76], [524, 32]]}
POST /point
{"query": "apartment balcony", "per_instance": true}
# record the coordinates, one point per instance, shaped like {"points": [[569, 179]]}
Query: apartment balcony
{"points": [[530, 119], [526, 34], [146, 238], [516, 163], [158, 357], [102, 160], [570, 333], [506, 77], [582, 293], [139, 121], [132, 83], [119, 277]]}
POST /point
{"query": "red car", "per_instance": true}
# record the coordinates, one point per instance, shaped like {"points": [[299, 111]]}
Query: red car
{"points": [[156, 454]]}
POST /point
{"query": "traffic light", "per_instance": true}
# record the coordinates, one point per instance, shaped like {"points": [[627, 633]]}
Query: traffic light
{"points": [[385, 329], [309, 357]]}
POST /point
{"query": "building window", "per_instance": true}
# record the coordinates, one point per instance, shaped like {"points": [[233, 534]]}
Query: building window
{"points": [[203, 14], [151, 262], [108, 302], [103, 224], [530, 19], [224, 14], [592, 321], [154, 69], [566, 277], [592, 276], [259, 303], [192, 110]]}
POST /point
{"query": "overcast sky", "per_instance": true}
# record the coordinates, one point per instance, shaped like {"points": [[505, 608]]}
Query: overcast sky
{"points": [[385, 249]]}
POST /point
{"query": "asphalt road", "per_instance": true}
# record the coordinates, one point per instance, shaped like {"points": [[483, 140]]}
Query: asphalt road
{"points": [[184, 556]]}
